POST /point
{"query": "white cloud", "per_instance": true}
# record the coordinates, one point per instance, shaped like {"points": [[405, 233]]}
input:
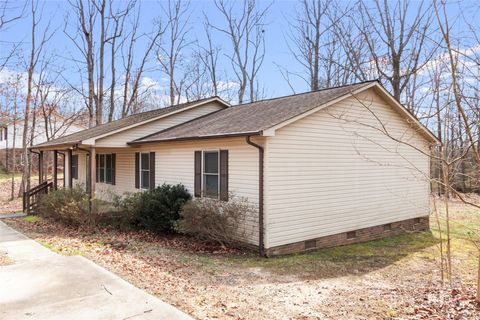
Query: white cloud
{"points": [[150, 83]]}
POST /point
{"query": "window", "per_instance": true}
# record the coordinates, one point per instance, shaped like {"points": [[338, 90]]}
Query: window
{"points": [[74, 166], [210, 174], [145, 170], [105, 166]]}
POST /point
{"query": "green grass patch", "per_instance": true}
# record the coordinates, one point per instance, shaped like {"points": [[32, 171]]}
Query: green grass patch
{"points": [[31, 218], [64, 250], [360, 257], [5, 176]]}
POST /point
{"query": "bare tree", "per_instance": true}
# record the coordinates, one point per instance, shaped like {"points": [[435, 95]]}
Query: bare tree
{"points": [[8, 14], [208, 56], [396, 38], [170, 55], [458, 102], [246, 34], [10, 90], [134, 72], [118, 18], [305, 38], [83, 40], [36, 51]]}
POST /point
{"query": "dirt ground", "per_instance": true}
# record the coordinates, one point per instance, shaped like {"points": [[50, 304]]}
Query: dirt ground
{"points": [[394, 278], [7, 206]]}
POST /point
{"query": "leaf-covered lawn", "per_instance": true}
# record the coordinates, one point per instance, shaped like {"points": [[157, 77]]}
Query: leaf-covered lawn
{"points": [[397, 278], [7, 205]]}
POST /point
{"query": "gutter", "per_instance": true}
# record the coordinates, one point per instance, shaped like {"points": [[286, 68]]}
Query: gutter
{"points": [[218, 136], [261, 228]]}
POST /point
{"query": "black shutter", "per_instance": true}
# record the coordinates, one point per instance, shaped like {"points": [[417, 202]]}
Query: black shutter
{"points": [[198, 174], [97, 166], [137, 170], [152, 170], [224, 175], [114, 166], [75, 161]]}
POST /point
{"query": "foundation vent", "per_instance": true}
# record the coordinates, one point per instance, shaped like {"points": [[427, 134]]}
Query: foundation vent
{"points": [[310, 244], [351, 235]]}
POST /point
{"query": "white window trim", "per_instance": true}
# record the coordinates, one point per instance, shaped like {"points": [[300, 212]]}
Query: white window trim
{"points": [[104, 168], [203, 193], [140, 170]]}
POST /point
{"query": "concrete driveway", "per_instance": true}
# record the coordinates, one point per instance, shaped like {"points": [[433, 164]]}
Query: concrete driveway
{"points": [[44, 285]]}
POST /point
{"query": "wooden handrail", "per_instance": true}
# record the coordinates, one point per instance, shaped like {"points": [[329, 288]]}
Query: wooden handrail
{"points": [[30, 197]]}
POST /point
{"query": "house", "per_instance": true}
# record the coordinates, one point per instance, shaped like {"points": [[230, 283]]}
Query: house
{"points": [[11, 135], [323, 168]]}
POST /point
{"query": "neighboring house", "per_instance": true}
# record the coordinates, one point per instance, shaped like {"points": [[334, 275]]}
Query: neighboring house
{"points": [[323, 168], [11, 135]]}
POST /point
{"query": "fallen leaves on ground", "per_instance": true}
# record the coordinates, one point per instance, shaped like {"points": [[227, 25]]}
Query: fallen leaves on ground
{"points": [[210, 282], [6, 205]]}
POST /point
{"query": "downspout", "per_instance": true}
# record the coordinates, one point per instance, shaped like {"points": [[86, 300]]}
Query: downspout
{"points": [[261, 241]]}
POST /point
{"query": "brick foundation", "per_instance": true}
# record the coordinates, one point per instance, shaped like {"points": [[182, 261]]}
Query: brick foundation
{"points": [[355, 236]]}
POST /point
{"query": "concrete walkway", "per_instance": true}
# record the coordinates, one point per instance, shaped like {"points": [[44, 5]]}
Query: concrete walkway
{"points": [[44, 285]]}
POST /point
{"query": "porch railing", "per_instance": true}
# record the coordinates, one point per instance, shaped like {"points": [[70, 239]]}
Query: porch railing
{"points": [[30, 197]]}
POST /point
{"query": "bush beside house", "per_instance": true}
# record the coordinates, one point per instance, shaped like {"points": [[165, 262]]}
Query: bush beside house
{"points": [[165, 209], [158, 209], [67, 206], [215, 220]]}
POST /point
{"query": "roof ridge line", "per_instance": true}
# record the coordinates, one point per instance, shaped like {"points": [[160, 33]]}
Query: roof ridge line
{"points": [[307, 92]]}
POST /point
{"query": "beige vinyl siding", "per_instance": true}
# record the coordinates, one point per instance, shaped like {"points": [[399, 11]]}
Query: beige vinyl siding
{"points": [[82, 171], [124, 173], [174, 163], [332, 172], [120, 139]]}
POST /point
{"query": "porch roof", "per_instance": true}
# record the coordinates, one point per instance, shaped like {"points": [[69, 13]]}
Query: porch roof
{"points": [[121, 124]]}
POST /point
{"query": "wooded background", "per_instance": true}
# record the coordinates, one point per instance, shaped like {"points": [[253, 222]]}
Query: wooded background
{"points": [[427, 54]]}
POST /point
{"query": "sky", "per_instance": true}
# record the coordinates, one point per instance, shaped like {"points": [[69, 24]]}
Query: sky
{"points": [[277, 23], [56, 12]]}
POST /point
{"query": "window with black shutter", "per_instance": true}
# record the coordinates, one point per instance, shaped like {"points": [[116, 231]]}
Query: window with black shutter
{"points": [[143, 170], [105, 168], [211, 174]]}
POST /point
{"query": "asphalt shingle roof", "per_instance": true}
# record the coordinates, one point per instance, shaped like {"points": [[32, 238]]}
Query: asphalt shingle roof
{"points": [[106, 128], [251, 118]]}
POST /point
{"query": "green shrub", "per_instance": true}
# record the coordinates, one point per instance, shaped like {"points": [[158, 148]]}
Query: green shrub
{"points": [[68, 206], [119, 212], [158, 209], [214, 220]]}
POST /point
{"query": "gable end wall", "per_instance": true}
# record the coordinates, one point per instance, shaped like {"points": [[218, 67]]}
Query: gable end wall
{"points": [[331, 172]]}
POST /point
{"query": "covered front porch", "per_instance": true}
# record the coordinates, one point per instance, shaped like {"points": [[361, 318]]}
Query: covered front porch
{"points": [[63, 158]]}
